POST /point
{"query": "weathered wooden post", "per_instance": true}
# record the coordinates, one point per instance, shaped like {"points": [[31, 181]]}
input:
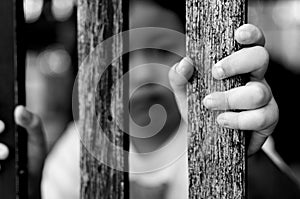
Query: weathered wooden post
{"points": [[101, 98], [216, 155], [13, 173]]}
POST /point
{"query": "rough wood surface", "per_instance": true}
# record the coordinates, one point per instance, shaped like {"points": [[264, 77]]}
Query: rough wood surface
{"points": [[101, 101], [216, 156]]}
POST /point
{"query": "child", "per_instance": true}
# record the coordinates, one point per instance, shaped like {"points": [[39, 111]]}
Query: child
{"points": [[259, 115]]}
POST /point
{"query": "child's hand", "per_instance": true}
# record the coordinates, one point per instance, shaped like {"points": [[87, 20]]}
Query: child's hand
{"points": [[36, 147], [260, 111]]}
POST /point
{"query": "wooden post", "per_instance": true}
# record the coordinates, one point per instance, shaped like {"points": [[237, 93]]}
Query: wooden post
{"points": [[100, 102], [216, 156], [13, 173]]}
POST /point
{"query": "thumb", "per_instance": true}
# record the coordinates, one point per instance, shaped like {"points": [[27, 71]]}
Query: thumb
{"points": [[36, 147], [32, 123], [179, 75]]}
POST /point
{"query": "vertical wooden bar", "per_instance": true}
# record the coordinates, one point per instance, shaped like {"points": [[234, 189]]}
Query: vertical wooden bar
{"points": [[13, 174], [101, 101], [216, 156], [125, 81]]}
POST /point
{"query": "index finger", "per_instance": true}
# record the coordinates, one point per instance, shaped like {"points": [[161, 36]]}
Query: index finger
{"points": [[249, 34]]}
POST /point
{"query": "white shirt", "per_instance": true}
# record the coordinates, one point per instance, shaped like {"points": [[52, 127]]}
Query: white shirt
{"points": [[61, 176]]}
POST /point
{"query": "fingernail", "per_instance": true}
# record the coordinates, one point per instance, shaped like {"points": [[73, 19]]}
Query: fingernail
{"points": [[26, 117], [2, 126], [4, 152], [189, 60], [222, 121], [182, 67], [244, 35], [209, 102], [218, 71]]}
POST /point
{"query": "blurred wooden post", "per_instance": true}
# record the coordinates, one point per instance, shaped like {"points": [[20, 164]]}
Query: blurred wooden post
{"points": [[216, 156], [101, 101], [13, 173]]}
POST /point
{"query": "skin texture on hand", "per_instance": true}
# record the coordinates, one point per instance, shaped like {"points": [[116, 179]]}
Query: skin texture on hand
{"points": [[259, 111]]}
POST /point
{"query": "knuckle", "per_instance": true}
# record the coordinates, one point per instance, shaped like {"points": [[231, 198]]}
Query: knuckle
{"points": [[261, 94], [247, 27], [263, 55], [257, 33], [261, 120], [36, 122], [253, 30], [275, 114]]}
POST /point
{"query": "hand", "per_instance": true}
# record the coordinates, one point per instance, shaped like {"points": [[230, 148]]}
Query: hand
{"points": [[259, 110], [36, 147]]}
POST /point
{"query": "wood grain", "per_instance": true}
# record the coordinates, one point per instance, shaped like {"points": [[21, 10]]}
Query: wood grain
{"points": [[101, 100], [216, 156]]}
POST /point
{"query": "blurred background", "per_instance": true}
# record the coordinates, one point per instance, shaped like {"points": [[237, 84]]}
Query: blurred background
{"points": [[52, 65], [51, 62], [280, 22]]}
